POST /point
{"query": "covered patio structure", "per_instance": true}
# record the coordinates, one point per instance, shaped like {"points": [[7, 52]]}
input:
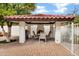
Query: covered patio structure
{"points": [[40, 21]]}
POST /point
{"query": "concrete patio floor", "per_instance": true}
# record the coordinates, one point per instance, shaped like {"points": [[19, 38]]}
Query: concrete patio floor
{"points": [[33, 48]]}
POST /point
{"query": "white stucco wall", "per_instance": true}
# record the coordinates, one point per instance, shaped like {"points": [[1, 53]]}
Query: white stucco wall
{"points": [[46, 29], [15, 30], [33, 28]]}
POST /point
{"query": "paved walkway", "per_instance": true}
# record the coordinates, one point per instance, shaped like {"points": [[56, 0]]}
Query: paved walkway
{"points": [[33, 48]]}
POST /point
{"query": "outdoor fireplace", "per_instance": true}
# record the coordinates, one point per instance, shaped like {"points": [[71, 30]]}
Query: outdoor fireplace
{"points": [[39, 31]]}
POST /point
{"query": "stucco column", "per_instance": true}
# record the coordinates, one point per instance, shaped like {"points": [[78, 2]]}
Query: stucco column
{"points": [[29, 29], [51, 29], [21, 32], [58, 33]]}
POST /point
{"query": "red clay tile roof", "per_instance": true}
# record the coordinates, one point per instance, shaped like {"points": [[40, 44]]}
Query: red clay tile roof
{"points": [[40, 17]]}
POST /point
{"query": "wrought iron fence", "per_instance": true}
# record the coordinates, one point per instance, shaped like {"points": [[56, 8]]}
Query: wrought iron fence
{"points": [[66, 41], [65, 36], [76, 39]]}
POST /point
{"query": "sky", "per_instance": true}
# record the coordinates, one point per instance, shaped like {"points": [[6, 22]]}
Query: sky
{"points": [[55, 8], [39, 1]]}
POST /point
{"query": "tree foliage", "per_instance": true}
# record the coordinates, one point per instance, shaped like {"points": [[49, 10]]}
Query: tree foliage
{"points": [[24, 8], [16, 8], [7, 9], [76, 20], [75, 11]]}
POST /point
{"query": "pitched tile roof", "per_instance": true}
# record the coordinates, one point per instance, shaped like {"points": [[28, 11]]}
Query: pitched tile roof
{"points": [[40, 17]]}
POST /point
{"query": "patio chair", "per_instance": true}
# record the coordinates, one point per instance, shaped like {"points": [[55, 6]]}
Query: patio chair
{"points": [[49, 35], [35, 36], [42, 36]]}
